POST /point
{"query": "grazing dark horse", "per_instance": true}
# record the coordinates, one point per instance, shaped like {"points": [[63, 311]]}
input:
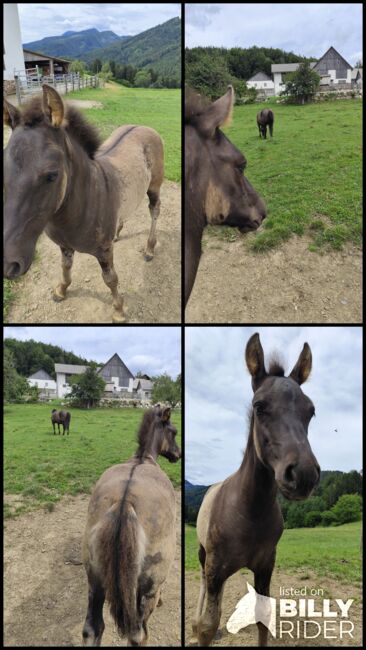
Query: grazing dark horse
{"points": [[217, 192], [129, 541], [240, 521], [60, 179], [265, 118], [61, 417]]}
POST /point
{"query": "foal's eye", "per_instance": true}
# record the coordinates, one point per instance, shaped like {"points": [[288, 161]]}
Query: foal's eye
{"points": [[242, 166], [260, 408], [51, 176]]}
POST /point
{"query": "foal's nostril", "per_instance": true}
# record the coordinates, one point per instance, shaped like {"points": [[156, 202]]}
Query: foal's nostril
{"points": [[14, 270], [290, 476]]}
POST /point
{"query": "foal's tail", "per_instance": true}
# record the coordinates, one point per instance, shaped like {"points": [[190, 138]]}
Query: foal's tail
{"points": [[123, 545]]}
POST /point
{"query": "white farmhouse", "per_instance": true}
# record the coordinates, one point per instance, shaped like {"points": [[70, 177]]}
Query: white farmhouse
{"points": [[63, 372], [13, 51], [43, 381], [263, 83]]}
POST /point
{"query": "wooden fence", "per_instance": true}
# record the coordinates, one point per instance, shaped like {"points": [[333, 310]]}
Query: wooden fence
{"points": [[30, 83]]}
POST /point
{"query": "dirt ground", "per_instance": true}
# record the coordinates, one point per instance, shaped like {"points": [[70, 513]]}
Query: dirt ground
{"points": [[289, 284], [151, 290], [236, 588], [45, 586]]}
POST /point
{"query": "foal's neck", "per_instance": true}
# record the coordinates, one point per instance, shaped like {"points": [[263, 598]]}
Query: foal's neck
{"points": [[257, 483]]}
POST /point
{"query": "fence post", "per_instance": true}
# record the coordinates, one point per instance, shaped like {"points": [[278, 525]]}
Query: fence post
{"points": [[17, 89], [72, 79], [65, 84], [78, 81]]}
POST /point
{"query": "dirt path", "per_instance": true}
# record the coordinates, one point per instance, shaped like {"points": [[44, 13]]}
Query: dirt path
{"points": [[45, 589], [235, 589], [151, 290], [289, 284]]}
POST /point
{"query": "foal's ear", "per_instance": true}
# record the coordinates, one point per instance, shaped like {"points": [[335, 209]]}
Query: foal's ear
{"points": [[302, 368], [53, 106], [218, 114], [165, 416], [11, 115], [254, 358]]}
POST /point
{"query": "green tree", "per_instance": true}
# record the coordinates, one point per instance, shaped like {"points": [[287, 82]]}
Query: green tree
{"points": [[166, 389], [78, 66], [142, 79], [87, 389], [312, 518], [301, 85], [15, 386], [208, 75], [96, 66], [348, 508]]}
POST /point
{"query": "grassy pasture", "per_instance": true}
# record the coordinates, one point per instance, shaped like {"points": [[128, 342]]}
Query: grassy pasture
{"points": [[41, 467], [328, 552], [157, 108], [310, 173]]}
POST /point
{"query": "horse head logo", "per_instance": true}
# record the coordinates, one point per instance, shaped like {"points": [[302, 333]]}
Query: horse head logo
{"points": [[253, 608]]}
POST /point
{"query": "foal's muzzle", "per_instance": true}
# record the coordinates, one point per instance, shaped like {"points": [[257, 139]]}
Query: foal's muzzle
{"points": [[299, 480]]}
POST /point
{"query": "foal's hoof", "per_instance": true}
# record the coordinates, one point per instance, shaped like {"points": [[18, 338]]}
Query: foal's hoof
{"points": [[58, 295], [119, 318], [148, 257]]}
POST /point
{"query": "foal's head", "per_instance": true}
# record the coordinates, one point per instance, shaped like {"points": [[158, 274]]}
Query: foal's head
{"points": [[157, 435], [281, 417], [37, 164], [215, 180]]}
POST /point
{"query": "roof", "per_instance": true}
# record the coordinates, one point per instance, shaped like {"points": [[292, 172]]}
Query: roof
{"points": [[69, 369], [46, 56], [334, 50], [121, 362], [145, 384], [288, 67], [356, 73], [41, 374], [260, 76]]}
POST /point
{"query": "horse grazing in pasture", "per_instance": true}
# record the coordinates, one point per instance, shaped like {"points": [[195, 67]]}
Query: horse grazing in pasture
{"points": [[60, 179], [217, 192], [61, 417], [265, 118], [240, 521], [129, 540]]}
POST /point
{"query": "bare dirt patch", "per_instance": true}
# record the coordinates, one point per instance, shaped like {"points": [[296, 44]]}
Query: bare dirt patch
{"points": [[151, 290], [236, 588], [45, 586], [84, 103], [289, 284]]}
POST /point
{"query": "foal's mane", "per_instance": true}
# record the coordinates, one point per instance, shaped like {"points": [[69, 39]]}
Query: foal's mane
{"points": [[144, 431], [75, 124]]}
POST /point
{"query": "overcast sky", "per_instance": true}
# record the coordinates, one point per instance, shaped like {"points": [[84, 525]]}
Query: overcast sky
{"points": [[305, 29], [39, 20], [153, 350], [218, 392]]}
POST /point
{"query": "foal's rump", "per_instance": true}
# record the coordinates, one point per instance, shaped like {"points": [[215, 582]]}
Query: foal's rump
{"points": [[129, 540]]}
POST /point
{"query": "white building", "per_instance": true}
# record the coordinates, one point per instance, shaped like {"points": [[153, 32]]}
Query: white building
{"points": [[13, 51], [63, 372], [43, 381], [262, 82]]}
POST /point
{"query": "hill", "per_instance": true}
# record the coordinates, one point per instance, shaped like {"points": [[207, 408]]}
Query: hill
{"points": [[30, 356], [74, 45], [158, 48]]}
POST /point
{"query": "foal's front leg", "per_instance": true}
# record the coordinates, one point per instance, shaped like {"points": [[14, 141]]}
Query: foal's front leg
{"points": [[209, 622], [59, 292], [262, 581], [105, 259]]}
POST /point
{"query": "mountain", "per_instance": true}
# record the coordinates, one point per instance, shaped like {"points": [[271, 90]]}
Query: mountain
{"points": [[74, 45], [158, 48]]}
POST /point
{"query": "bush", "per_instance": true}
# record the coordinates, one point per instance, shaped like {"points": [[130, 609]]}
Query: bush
{"points": [[312, 518], [348, 508], [328, 518]]}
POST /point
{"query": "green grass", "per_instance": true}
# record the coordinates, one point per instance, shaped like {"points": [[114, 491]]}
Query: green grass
{"points": [[42, 467], [309, 174], [157, 108], [319, 550]]}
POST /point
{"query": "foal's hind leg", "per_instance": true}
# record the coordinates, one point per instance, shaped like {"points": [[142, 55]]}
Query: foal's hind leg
{"points": [[154, 207], [94, 625], [105, 259], [59, 292]]}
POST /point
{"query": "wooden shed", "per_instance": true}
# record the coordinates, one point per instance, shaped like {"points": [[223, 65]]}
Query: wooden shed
{"points": [[48, 65]]}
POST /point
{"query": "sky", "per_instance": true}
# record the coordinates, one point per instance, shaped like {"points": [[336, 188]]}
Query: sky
{"points": [[153, 350], [218, 394], [301, 28], [38, 20]]}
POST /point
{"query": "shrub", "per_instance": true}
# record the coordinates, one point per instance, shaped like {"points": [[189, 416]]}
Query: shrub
{"points": [[312, 518], [348, 508]]}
